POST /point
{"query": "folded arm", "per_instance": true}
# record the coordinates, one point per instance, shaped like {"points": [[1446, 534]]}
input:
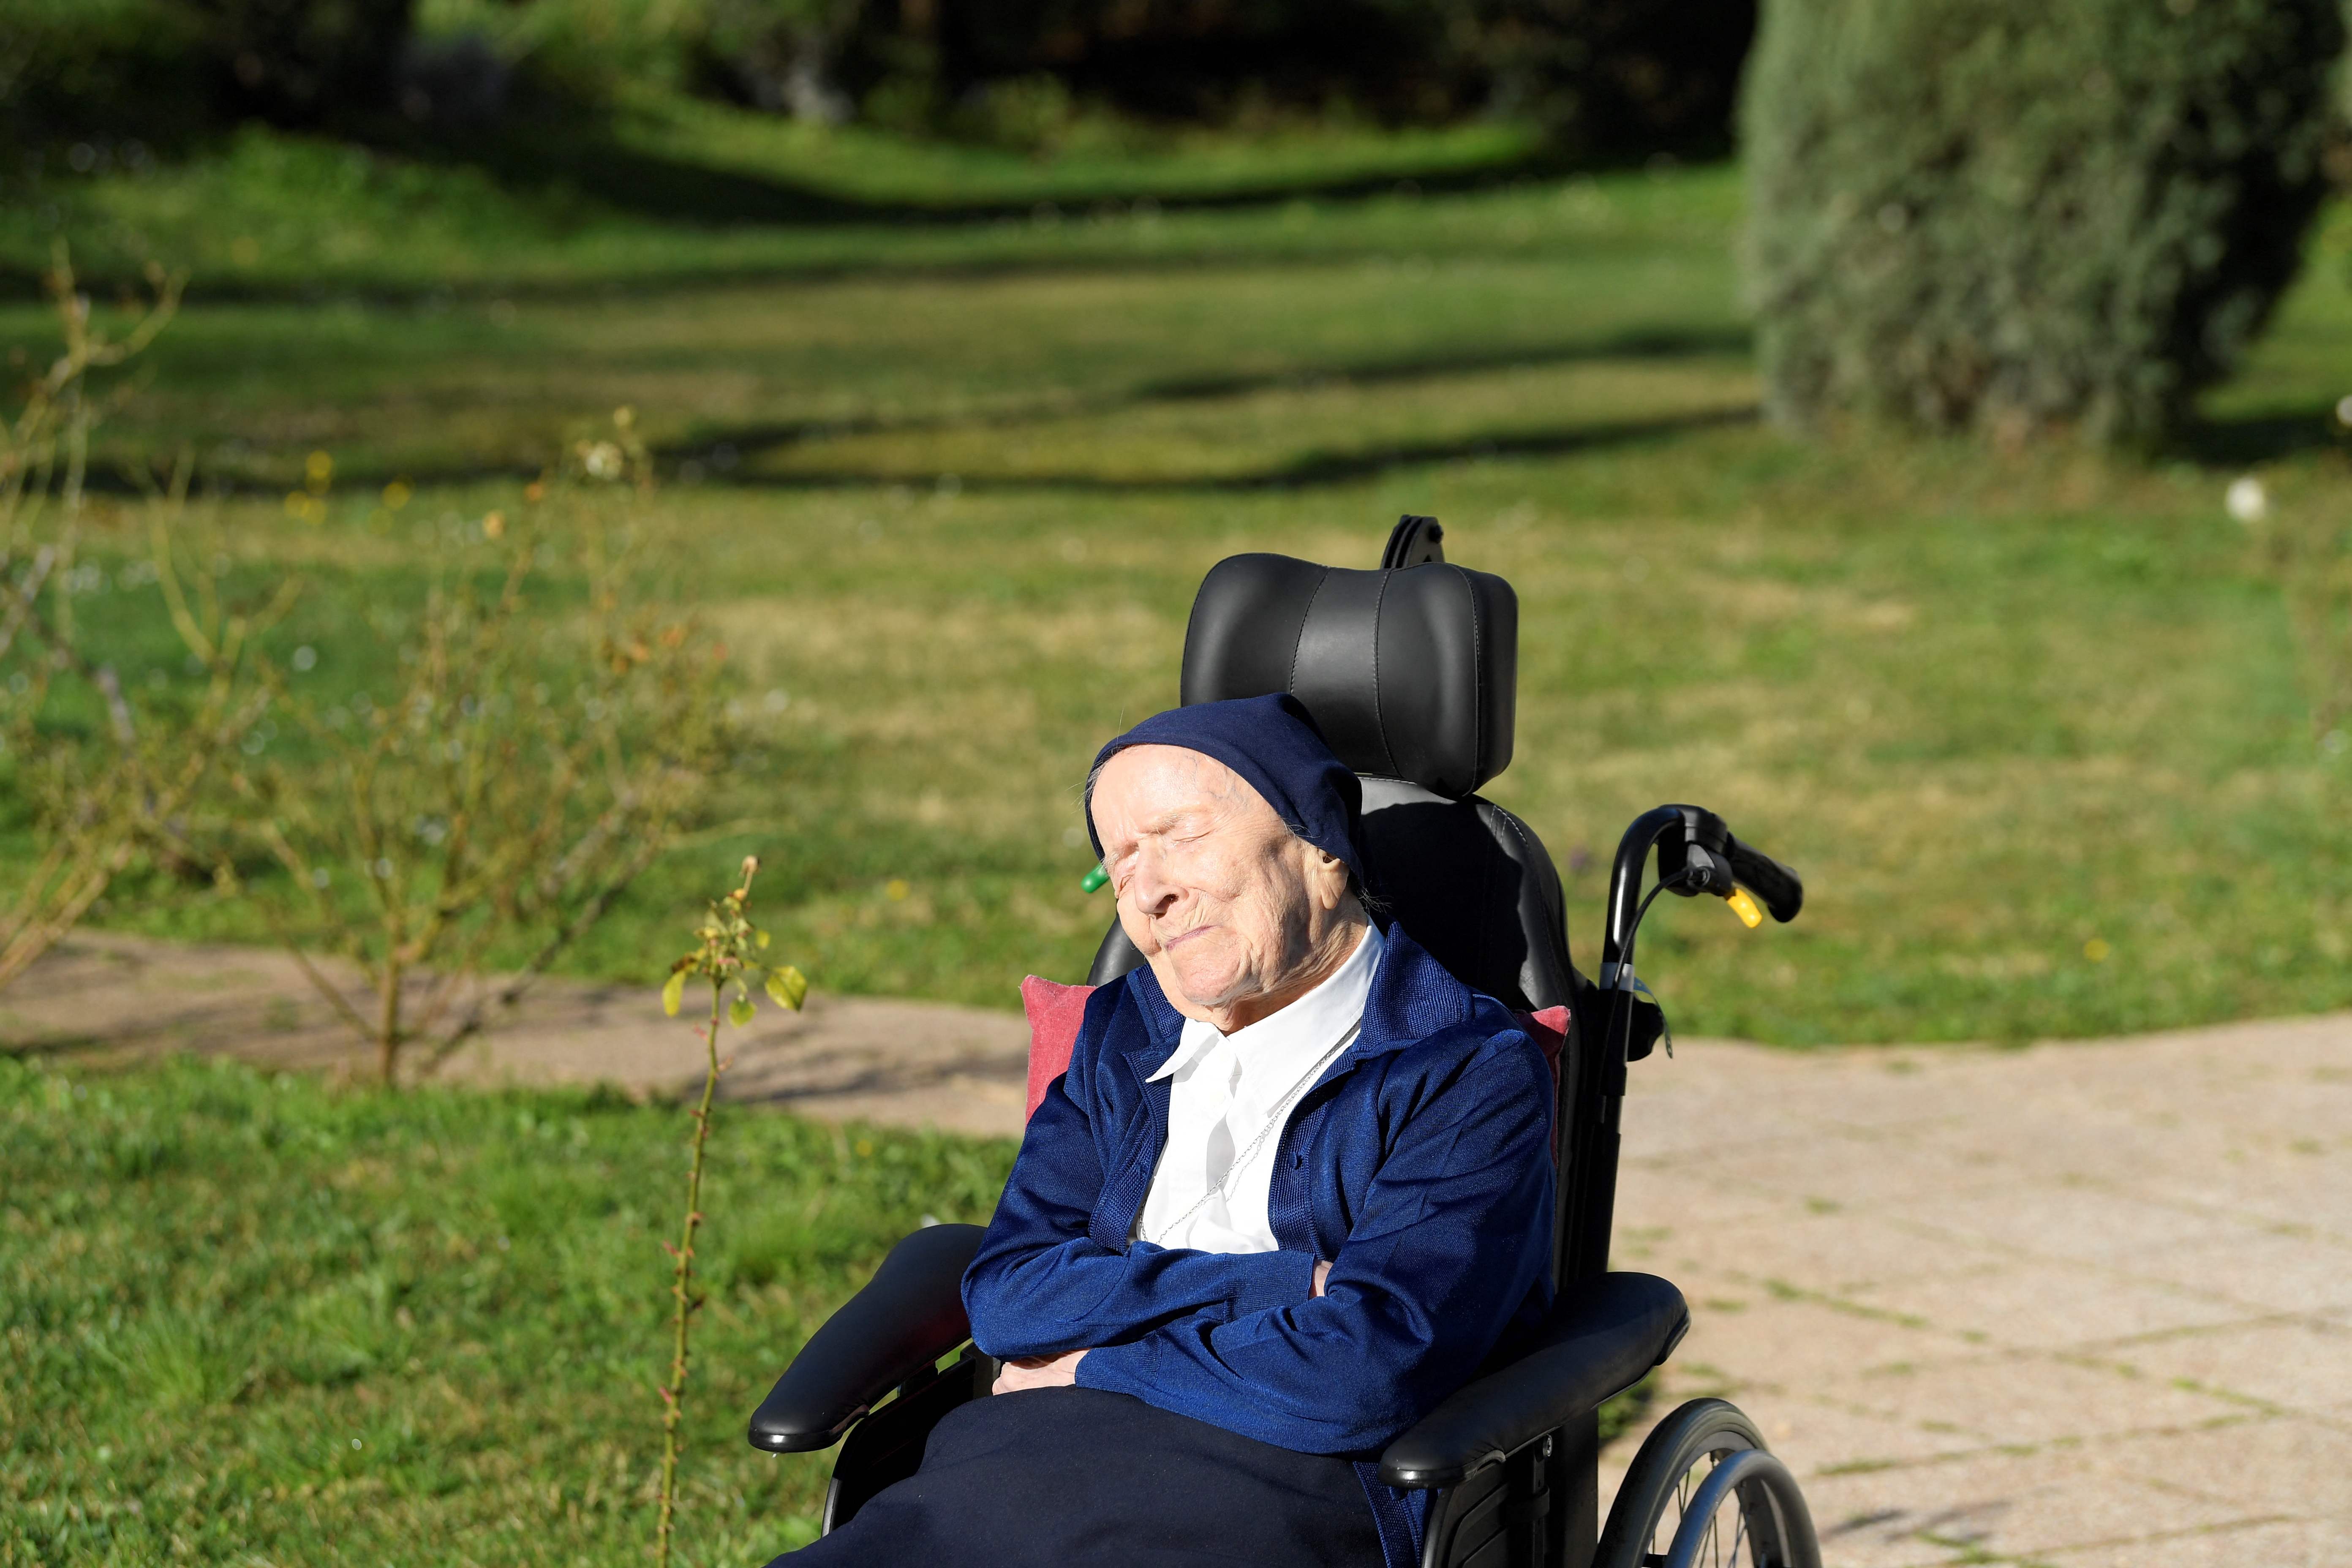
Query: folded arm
{"points": [[1061, 1371], [1041, 1285]]}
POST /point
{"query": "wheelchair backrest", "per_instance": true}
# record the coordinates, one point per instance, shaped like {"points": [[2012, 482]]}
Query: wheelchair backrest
{"points": [[1412, 674]]}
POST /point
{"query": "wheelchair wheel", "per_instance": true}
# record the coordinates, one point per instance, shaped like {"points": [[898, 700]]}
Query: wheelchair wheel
{"points": [[1704, 1492]]}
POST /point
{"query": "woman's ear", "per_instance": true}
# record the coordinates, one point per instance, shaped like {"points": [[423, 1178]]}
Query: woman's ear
{"points": [[1327, 878]]}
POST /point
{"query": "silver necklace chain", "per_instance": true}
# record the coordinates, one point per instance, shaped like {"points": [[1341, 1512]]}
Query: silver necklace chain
{"points": [[1297, 1091]]}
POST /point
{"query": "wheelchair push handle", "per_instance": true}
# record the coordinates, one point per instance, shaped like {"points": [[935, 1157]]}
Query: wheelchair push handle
{"points": [[1780, 889], [1697, 853]]}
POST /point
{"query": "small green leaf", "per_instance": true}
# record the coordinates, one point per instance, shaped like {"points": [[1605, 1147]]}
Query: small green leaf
{"points": [[739, 1010], [674, 992], [789, 986], [761, 939]]}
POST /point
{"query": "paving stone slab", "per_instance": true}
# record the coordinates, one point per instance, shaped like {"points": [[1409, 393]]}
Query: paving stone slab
{"points": [[2020, 1304], [2291, 1544], [2000, 1506], [2021, 1397], [2287, 1466], [2259, 1268], [2302, 1364]]}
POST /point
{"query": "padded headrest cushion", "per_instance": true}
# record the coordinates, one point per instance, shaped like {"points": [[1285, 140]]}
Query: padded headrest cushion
{"points": [[1410, 674]]}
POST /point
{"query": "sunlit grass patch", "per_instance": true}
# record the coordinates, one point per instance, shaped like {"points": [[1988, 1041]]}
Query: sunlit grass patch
{"points": [[1316, 429], [2030, 724], [252, 1316], [1997, 710]]}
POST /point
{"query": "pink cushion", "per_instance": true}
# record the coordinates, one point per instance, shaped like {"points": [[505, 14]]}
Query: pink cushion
{"points": [[1056, 1011], [1549, 1029]]}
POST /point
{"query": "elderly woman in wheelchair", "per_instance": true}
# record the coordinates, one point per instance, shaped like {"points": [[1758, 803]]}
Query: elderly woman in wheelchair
{"points": [[1304, 1256]]}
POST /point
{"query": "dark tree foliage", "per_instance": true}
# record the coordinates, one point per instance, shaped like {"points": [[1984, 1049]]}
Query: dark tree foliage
{"points": [[1604, 76], [302, 61], [1190, 59], [1613, 78], [1608, 79], [2010, 215], [1172, 60], [169, 72], [102, 72]]}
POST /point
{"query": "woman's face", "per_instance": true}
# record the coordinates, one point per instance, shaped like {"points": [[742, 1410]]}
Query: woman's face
{"points": [[1237, 915]]}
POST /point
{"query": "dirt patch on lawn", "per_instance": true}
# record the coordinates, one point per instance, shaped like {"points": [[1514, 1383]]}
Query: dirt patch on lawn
{"points": [[104, 998]]}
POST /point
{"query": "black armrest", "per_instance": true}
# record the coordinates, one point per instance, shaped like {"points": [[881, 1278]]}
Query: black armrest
{"points": [[1602, 1336], [908, 1316]]}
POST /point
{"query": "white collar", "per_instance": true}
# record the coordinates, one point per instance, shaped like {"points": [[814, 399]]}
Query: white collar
{"points": [[1299, 1035]]}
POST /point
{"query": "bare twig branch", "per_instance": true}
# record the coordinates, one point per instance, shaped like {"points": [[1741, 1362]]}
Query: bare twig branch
{"points": [[477, 807], [99, 803]]}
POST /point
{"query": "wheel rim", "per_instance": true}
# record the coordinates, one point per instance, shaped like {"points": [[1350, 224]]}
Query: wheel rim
{"points": [[1737, 1532]]}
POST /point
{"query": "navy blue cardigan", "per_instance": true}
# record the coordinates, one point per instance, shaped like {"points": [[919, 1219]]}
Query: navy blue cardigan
{"points": [[1419, 1165]]}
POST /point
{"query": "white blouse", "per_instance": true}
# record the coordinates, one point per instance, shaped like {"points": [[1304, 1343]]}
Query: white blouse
{"points": [[1226, 1107]]}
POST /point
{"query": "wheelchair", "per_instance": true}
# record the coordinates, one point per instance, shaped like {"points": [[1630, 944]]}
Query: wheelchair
{"points": [[1410, 670]]}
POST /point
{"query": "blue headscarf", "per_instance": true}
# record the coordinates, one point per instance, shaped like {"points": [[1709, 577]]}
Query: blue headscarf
{"points": [[1273, 744]]}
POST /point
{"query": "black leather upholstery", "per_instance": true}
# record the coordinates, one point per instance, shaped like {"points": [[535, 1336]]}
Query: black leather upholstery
{"points": [[1412, 674], [1602, 1336], [908, 1316], [1474, 885], [1114, 957]]}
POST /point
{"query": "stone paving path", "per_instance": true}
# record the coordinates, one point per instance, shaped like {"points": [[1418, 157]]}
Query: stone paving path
{"points": [[2083, 1305], [2086, 1305]]}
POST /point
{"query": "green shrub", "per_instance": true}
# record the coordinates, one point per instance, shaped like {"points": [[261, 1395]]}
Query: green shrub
{"points": [[2009, 215]]}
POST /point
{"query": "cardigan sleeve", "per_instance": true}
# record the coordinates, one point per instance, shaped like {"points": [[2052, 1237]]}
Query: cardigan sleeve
{"points": [[1041, 1284], [1454, 1235]]}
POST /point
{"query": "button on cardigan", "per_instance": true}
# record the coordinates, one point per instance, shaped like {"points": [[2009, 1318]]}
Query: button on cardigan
{"points": [[1418, 1165]]}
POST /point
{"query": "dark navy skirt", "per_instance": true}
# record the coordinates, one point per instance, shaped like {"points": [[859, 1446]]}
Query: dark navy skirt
{"points": [[1068, 1476]]}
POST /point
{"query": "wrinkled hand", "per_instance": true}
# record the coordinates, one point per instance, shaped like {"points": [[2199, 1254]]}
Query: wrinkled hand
{"points": [[1039, 1371], [1322, 1272]]}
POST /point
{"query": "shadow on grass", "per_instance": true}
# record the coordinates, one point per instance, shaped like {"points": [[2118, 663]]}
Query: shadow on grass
{"points": [[745, 441], [1314, 469], [1311, 469], [552, 145], [2242, 442], [577, 151], [722, 455]]}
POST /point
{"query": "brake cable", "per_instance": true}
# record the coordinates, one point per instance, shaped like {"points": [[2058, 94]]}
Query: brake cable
{"points": [[1632, 981]]}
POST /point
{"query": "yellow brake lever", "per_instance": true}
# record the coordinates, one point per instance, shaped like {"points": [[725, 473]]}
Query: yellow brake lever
{"points": [[1744, 908]]}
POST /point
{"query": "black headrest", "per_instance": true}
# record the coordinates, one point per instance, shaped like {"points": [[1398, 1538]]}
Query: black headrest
{"points": [[1412, 674]]}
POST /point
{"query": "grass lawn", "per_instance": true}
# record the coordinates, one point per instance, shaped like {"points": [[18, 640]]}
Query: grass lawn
{"points": [[673, 193], [249, 1320], [2030, 724]]}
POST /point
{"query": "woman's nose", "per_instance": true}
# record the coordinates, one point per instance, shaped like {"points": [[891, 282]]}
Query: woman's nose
{"points": [[1152, 892]]}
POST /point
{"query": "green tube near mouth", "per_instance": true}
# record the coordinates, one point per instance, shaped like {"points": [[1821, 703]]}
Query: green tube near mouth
{"points": [[1092, 882]]}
